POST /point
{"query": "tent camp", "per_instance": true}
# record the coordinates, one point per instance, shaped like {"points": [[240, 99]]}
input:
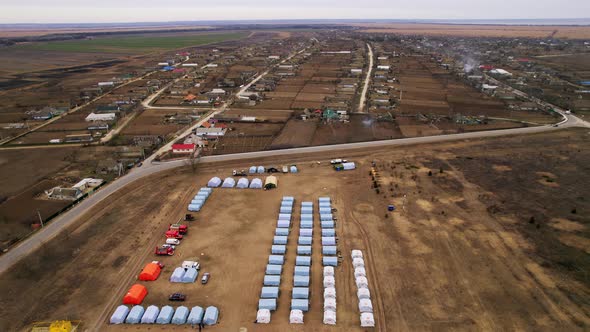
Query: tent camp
{"points": [[211, 315], [330, 304], [135, 315], [269, 292], [367, 319], [256, 183], [360, 272], [150, 315], [329, 250], [180, 315], [305, 240], [274, 269], [165, 315], [329, 281], [358, 262], [252, 170], [278, 249], [300, 304], [365, 305], [303, 260], [300, 293], [263, 316], [327, 224], [329, 317], [272, 280], [306, 224], [293, 169], [270, 182], [283, 224], [282, 231], [177, 275], [270, 304], [279, 240], [190, 275], [196, 315], [328, 240], [363, 293], [326, 216], [214, 182], [285, 216], [243, 183], [276, 259], [260, 170], [361, 282], [296, 316], [302, 270], [119, 315], [328, 271], [228, 183], [328, 232], [329, 261], [306, 232], [301, 281], [329, 293], [357, 254], [303, 250], [135, 294]]}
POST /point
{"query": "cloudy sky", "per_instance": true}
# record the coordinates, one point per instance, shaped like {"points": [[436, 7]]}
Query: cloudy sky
{"points": [[80, 11]]}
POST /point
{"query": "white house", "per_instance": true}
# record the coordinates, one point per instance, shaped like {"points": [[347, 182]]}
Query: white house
{"points": [[101, 117], [501, 72], [211, 131], [383, 67]]}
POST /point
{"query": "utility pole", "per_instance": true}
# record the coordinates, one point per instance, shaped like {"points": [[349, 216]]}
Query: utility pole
{"points": [[40, 219]]}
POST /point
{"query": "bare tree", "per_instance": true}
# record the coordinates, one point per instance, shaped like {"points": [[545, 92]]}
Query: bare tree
{"points": [[193, 160]]}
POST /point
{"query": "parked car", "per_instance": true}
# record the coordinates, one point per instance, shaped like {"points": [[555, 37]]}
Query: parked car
{"points": [[173, 241], [190, 264], [168, 246], [205, 278], [164, 251], [177, 297]]}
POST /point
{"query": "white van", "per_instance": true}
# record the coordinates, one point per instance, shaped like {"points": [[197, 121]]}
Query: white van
{"points": [[191, 264], [173, 241]]}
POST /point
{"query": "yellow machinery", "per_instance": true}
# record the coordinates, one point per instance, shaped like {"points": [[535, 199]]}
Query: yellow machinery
{"points": [[56, 326]]}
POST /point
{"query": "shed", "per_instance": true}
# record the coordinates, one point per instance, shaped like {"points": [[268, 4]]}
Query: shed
{"points": [[329, 281], [260, 170], [296, 316], [307, 204], [278, 249], [195, 207], [243, 183], [119, 315], [329, 317], [214, 182], [324, 199], [270, 280], [274, 269], [252, 170], [358, 262], [165, 315], [329, 293], [307, 210], [279, 240], [285, 216], [328, 271], [229, 182], [361, 282], [367, 319], [328, 240], [150, 272], [135, 294], [303, 250], [329, 250], [325, 210], [256, 183], [177, 275], [363, 293], [269, 292], [328, 232], [211, 315], [276, 259], [270, 304], [326, 216], [330, 304], [305, 240], [190, 275], [286, 209], [283, 223], [263, 316], [330, 261], [300, 304], [301, 281], [282, 231], [303, 260], [357, 254], [327, 224], [135, 315], [365, 305], [301, 270], [306, 224], [196, 315], [306, 216], [150, 315], [270, 182], [180, 315], [305, 232], [300, 293], [293, 169], [360, 272]]}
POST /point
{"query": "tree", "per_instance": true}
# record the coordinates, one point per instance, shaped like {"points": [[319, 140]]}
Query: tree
{"points": [[193, 160]]}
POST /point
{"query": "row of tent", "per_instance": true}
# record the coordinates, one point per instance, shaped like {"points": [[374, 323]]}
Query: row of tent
{"points": [[184, 275], [362, 283], [167, 315], [262, 170], [329, 258], [270, 182], [199, 200]]}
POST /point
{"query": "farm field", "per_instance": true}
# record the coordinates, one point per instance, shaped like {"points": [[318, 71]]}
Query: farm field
{"points": [[472, 251]]}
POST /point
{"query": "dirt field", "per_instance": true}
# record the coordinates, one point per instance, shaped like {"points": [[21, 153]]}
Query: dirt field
{"points": [[460, 253]]}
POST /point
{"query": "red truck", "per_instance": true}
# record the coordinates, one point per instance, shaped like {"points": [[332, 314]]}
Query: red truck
{"points": [[182, 229], [173, 235], [164, 251]]}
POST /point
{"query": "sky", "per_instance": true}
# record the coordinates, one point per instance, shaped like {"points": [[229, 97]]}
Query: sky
{"points": [[105, 11]]}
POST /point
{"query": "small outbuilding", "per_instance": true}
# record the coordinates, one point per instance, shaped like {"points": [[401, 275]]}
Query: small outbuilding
{"points": [[180, 315], [119, 315], [214, 182], [165, 315], [150, 315], [135, 315], [196, 315], [211, 316], [135, 294]]}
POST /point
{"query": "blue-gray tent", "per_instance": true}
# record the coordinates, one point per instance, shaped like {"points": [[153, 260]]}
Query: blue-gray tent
{"points": [[278, 249], [279, 240], [303, 260], [180, 315], [285, 216], [260, 169], [330, 261], [205, 189], [135, 315], [283, 224], [327, 224], [328, 232], [269, 292], [150, 315], [293, 169], [190, 275], [214, 182], [306, 232], [307, 216], [202, 195], [298, 304], [286, 209], [120, 314], [274, 269], [288, 198], [329, 250], [300, 293], [198, 201], [306, 204], [303, 250], [301, 270], [194, 207], [306, 210], [324, 199], [276, 259], [325, 205], [287, 202], [282, 231], [256, 183], [165, 315], [243, 183], [252, 170], [301, 281], [211, 315], [325, 210], [270, 304], [326, 216], [177, 275], [305, 240], [306, 224], [328, 241], [196, 315], [272, 280]]}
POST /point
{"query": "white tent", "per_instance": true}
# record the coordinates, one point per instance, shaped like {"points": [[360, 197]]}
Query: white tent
{"points": [[330, 304], [367, 319], [214, 182], [293, 169], [296, 317], [348, 166], [243, 183], [357, 254], [120, 314], [256, 183], [329, 317], [263, 316], [362, 282], [365, 305], [363, 293], [329, 293], [358, 262], [252, 170], [360, 272], [329, 281], [260, 169], [328, 271], [228, 183]]}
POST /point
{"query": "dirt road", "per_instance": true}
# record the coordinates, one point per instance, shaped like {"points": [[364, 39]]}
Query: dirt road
{"points": [[367, 82]]}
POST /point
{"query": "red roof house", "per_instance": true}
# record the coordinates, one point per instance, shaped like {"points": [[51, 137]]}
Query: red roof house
{"points": [[183, 148]]}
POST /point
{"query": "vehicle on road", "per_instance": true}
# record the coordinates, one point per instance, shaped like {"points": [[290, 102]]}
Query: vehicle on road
{"points": [[164, 251], [177, 297], [205, 278], [160, 264], [168, 246], [139, 165]]}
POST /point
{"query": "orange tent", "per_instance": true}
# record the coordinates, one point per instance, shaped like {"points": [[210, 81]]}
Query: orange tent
{"points": [[150, 272], [135, 294]]}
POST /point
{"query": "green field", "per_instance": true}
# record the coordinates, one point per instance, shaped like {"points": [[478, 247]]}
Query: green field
{"points": [[134, 44]]}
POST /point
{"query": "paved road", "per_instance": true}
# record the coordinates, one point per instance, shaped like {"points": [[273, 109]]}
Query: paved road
{"points": [[367, 80]]}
